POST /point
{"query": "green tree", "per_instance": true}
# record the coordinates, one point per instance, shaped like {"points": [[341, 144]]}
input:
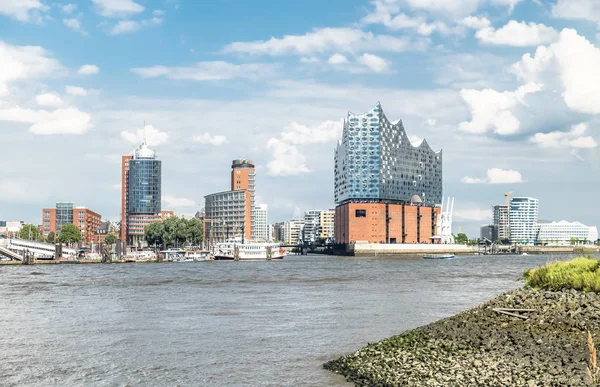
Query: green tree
{"points": [[574, 241], [69, 234], [28, 231], [110, 239], [195, 231], [50, 238], [174, 231], [153, 234], [461, 239]]}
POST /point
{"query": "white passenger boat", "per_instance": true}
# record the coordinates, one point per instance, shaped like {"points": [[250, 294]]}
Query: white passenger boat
{"points": [[248, 251]]}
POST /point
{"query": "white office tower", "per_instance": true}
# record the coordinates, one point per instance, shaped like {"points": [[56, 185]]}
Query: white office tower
{"points": [[444, 223], [260, 232], [523, 219]]}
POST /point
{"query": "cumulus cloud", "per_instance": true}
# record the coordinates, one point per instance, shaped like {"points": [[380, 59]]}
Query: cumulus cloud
{"points": [[88, 69], [48, 99], [67, 120], [475, 214], [20, 9], [130, 26], [152, 135], [209, 71], [68, 8], [73, 24], [206, 138], [298, 134], [374, 62], [117, 8], [287, 159], [75, 91], [518, 34], [572, 139], [572, 64], [174, 202], [323, 40], [21, 63], [337, 59], [496, 176], [493, 110], [577, 10], [475, 22]]}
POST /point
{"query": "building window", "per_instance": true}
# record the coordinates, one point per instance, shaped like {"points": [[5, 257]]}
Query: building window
{"points": [[81, 224], [361, 213], [46, 223], [46, 214], [81, 215]]}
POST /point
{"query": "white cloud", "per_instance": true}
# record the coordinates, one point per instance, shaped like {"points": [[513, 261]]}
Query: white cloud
{"points": [[67, 120], [206, 138], [209, 71], [152, 135], [386, 15], [48, 99], [73, 24], [158, 12], [21, 63], [19, 9], [174, 202], [475, 22], [431, 122], [154, 21], [518, 34], [374, 62], [472, 214], [88, 70], [322, 41], [75, 91], [457, 8], [571, 139], [287, 159], [572, 64], [117, 8], [337, 59], [68, 8], [125, 27], [496, 176], [309, 59], [577, 10], [298, 134], [491, 109]]}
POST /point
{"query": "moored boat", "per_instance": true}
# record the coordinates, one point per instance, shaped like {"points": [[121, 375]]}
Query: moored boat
{"points": [[444, 256], [249, 251]]}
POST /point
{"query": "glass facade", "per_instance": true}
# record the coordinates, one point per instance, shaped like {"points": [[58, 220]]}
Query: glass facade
{"points": [[523, 218], [376, 160], [226, 215], [64, 215], [144, 186]]}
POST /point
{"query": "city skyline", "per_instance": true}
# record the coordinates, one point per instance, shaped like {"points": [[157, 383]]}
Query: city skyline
{"points": [[490, 82]]}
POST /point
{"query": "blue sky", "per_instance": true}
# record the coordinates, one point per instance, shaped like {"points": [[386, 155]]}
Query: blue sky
{"points": [[507, 88]]}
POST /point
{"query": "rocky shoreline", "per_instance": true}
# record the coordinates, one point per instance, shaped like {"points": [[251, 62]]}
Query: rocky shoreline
{"points": [[481, 347]]}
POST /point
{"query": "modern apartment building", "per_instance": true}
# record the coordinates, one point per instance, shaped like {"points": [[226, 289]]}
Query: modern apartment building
{"points": [[326, 224], [563, 233], [141, 177], [386, 189], [488, 232], [260, 230], [86, 220], [228, 214], [523, 219], [501, 223], [293, 231], [311, 226]]}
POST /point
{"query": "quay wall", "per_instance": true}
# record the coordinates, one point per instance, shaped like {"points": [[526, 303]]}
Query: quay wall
{"points": [[370, 249]]}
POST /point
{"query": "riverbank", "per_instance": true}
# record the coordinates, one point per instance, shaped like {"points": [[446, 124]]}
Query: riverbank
{"points": [[483, 347]]}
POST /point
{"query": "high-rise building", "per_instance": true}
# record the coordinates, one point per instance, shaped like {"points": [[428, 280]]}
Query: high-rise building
{"points": [[523, 218], [260, 231], [386, 189], [293, 231], [278, 232], [86, 220], [229, 214], [140, 194], [326, 224], [488, 232], [501, 223], [311, 225]]}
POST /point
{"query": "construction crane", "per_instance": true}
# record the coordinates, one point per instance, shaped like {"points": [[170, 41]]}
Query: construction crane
{"points": [[507, 197]]}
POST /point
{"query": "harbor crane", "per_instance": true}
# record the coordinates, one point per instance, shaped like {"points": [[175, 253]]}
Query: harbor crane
{"points": [[507, 197]]}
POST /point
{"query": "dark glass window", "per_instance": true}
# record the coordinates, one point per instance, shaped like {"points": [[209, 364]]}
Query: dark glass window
{"points": [[361, 213]]}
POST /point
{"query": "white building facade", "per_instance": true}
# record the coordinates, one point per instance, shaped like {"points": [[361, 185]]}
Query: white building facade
{"points": [[326, 224], [292, 231], [260, 231], [311, 225], [523, 220], [563, 233]]}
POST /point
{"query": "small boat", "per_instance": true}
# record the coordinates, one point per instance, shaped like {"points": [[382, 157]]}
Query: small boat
{"points": [[444, 256]]}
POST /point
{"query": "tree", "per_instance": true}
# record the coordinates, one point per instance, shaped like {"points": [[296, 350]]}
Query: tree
{"points": [[461, 239], [574, 240], [69, 234], [174, 231], [50, 238], [110, 239], [28, 231], [195, 231]]}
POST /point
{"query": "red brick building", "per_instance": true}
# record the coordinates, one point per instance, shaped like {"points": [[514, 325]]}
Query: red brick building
{"points": [[86, 220]]}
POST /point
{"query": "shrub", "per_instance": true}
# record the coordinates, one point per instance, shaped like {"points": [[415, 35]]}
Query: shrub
{"points": [[579, 273]]}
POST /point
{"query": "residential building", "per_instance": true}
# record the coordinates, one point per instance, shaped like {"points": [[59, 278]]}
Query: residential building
{"points": [[501, 223], [563, 233], [386, 189], [260, 231], [230, 213], [106, 227], [311, 226], [293, 231], [86, 220], [141, 177], [326, 224], [523, 218], [278, 231], [271, 233], [10, 229], [488, 232]]}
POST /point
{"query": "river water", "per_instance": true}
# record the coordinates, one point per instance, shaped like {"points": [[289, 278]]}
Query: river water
{"points": [[225, 323]]}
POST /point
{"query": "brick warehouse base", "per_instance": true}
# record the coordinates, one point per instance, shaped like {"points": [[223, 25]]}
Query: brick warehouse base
{"points": [[385, 223]]}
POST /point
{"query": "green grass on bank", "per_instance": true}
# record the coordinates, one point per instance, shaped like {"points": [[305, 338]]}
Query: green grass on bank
{"points": [[579, 274]]}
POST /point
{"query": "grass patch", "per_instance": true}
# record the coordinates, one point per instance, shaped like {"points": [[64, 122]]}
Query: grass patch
{"points": [[579, 274]]}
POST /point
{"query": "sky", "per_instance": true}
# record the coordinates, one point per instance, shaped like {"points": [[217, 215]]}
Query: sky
{"points": [[507, 88]]}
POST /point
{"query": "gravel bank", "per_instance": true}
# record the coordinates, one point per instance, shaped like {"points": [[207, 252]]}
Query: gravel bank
{"points": [[480, 347]]}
